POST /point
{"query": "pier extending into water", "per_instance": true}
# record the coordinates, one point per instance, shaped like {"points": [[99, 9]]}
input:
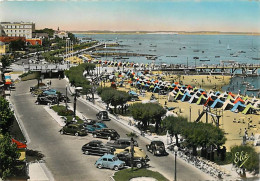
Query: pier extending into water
{"points": [[234, 69]]}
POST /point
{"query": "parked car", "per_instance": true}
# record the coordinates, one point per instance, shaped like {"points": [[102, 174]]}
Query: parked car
{"points": [[74, 129], [89, 128], [92, 121], [121, 143], [156, 148], [138, 162], [43, 100], [106, 133], [138, 152], [97, 147], [50, 91], [103, 115], [109, 161]]}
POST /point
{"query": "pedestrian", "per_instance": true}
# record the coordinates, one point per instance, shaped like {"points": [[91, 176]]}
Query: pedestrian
{"points": [[50, 82], [165, 103], [240, 131]]}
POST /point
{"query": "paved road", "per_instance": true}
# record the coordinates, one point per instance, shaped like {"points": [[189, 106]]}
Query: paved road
{"points": [[63, 153], [164, 165]]}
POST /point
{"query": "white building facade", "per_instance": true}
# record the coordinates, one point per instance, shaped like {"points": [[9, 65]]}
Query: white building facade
{"points": [[19, 29]]}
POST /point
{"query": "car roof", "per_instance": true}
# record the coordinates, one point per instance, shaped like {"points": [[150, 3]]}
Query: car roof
{"points": [[95, 141], [157, 141], [108, 156]]}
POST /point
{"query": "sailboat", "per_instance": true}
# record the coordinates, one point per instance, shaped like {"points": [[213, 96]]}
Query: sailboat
{"points": [[228, 48]]}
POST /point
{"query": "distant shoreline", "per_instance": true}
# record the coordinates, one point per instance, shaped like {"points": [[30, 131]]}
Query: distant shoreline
{"points": [[162, 33]]}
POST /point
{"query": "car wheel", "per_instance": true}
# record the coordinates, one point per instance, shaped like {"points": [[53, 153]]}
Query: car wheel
{"points": [[94, 135], [139, 165], [61, 132], [116, 168], [76, 134], [86, 152], [109, 138], [99, 166]]}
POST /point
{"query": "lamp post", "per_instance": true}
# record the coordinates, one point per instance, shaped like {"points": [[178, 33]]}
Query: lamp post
{"points": [[175, 170], [66, 97], [75, 99], [190, 113]]}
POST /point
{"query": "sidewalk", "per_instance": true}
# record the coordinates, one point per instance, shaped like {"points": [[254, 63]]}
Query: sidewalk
{"points": [[39, 172]]}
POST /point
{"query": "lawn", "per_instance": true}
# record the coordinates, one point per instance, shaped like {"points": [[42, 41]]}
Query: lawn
{"points": [[127, 174]]}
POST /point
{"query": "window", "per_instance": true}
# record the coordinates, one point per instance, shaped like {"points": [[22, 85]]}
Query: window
{"points": [[104, 159], [110, 160]]}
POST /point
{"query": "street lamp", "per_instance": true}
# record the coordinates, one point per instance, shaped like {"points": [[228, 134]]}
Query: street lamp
{"points": [[175, 171], [66, 97], [75, 99]]}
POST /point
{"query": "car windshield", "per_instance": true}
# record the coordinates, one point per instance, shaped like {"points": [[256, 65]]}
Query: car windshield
{"points": [[115, 158], [159, 143]]}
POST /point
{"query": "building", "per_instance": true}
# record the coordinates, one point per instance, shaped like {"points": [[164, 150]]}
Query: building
{"points": [[60, 33], [19, 29], [4, 48], [34, 41]]}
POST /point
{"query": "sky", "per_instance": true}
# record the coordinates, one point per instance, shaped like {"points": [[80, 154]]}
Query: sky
{"points": [[136, 15]]}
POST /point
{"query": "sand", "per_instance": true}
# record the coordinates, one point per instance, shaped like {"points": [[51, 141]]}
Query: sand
{"points": [[191, 111]]}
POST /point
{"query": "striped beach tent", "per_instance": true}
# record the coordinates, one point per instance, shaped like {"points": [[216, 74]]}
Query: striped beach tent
{"points": [[201, 100], [217, 104], [238, 106], [179, 95], [194, 98], [186, 97], [228, 105]]}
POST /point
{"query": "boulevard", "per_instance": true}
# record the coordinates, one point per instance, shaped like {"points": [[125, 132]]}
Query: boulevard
{"points": [[63, 154]]}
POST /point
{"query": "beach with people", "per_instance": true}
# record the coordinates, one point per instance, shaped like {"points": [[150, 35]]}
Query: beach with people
{"points": [[235, 124]]}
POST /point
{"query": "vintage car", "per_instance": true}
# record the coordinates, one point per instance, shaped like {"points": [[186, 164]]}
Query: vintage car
{"points": [[97, 147], [138, 152], [50, 92], [109, 161], [43, 100], [74, 129], [103, 115], [106, 133], [121, 143], [138, 162], [156, 148]]}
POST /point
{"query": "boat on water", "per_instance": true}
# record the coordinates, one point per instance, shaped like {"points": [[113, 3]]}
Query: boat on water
{"points": [[204, 60], [151, 57], [241, 51], [228, 48], [153, 45], [219, 41], [252, 89], [152, 50], [196, 50], [217, 56], [196, 58], [255, 58]]}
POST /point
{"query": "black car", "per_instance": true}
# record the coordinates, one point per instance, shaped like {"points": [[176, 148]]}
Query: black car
{"points": [[43, 100], [74, 129], [157, 148], [121, 143], [97, 147], [103, 115], [106, 133], [137, 161]]}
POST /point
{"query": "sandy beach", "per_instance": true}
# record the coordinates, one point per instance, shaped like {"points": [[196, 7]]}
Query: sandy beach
{"points": [[230, 122]]}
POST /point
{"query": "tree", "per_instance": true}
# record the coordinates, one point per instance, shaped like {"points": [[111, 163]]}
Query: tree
{"points": [[245, 157], [5, 60], [6, 116], [107, 96], [147, 113], [175, 125], [8, 156], [17, 45]]}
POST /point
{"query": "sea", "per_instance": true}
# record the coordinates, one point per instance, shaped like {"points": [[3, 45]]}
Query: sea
{"points": [[182, 49]]}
